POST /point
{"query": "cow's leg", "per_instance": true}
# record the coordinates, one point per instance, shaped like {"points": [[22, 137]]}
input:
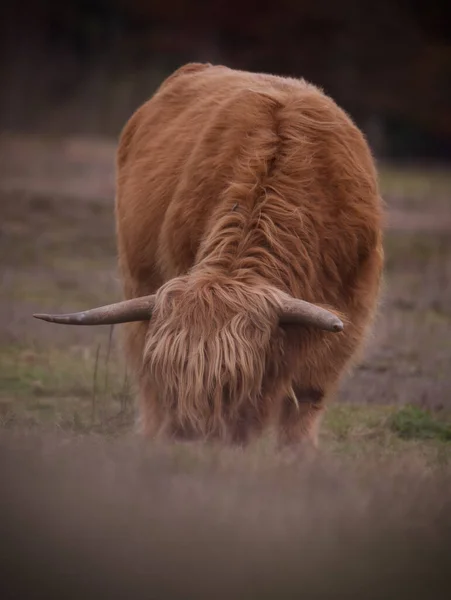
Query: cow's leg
{"points": [[151, 422], [149, 417]]}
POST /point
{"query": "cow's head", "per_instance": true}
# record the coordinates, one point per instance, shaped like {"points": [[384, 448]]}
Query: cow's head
{"points": [[213, 348]]}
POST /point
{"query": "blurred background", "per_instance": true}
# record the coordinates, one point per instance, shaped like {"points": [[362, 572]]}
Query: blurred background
{"points": [[71, 74], [82, 66]]}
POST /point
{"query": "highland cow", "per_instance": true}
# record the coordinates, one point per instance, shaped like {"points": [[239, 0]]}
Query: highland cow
{"points": [[249, 227]]}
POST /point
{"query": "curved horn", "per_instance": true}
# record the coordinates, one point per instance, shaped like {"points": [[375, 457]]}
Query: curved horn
{"points": [[305, 313], [137, 309]]}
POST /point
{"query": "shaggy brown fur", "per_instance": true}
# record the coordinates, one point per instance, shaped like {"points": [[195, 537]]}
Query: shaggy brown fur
{"points": [[234, 189]]}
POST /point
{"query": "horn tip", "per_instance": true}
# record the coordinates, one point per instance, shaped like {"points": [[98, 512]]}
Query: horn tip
{"points": [[42, 316], [337, 327]]}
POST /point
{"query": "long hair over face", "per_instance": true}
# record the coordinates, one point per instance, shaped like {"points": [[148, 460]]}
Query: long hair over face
{"points": [[212, 349]]}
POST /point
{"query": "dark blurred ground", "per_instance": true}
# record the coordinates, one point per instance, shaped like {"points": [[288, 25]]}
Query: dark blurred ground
{"points": [[83, 518]]}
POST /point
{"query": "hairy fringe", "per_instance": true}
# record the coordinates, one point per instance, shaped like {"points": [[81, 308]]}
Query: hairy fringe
{"points": [[207, 349]]}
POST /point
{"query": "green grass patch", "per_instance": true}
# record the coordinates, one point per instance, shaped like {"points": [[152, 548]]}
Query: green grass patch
{"points": [[77, 388], [361, 431], [413, 423]]}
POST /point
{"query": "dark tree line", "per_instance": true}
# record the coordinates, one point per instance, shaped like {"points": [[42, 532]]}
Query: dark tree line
{"points": [[387, 62]]}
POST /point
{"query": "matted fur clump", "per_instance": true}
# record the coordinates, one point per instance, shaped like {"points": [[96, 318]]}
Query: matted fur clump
{"points": [[233, 190]]}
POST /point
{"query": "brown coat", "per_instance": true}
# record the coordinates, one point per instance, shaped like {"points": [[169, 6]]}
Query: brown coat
{"points": [[234, 188]]}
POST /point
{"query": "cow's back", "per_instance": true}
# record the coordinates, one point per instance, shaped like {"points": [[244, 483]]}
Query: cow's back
{"points": [[181, 149], [179, 152]]}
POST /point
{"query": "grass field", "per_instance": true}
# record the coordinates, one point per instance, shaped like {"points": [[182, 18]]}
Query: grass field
{"points": [[64, 391]]}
